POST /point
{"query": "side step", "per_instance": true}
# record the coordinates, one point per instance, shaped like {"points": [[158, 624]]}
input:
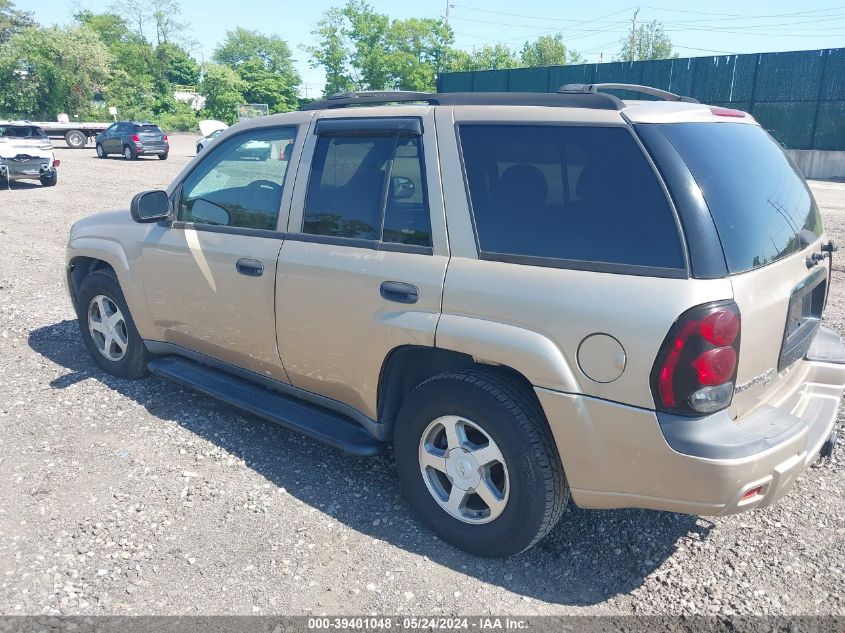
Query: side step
{"points": [[325, 426]]}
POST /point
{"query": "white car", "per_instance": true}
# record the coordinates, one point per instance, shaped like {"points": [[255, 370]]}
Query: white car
{"points": [[26, 154], [251, 150]]}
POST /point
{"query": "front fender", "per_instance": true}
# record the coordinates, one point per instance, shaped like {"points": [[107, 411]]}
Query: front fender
{"points": [[530, 353], [112, 252]]}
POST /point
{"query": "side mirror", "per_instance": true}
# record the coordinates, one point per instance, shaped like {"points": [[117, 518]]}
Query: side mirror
{"points": [[150, 206], [403, 187]]}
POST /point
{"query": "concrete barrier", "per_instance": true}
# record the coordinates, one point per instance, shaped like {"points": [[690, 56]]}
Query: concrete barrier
{"points": [[819, 164]]}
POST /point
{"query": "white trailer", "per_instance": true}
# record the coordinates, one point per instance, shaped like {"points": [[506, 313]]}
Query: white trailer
{"points": [[76, 134]]}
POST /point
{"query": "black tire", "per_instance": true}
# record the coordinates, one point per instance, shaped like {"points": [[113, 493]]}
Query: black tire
{"points": [[76, 139], [162, 156], [101, 151], [129, 153], [133, 364], [51, 180], [511, 415]]}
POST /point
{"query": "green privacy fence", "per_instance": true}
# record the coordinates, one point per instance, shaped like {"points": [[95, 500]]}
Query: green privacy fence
{"points": [[798, 96]]}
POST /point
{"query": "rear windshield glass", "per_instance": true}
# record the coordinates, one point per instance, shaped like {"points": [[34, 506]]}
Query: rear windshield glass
{"points": [[147, 129], [576, 193], [761, 205]]}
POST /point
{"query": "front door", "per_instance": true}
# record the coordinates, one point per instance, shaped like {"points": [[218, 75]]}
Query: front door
{"points": [[210, 275], [362, 267]]}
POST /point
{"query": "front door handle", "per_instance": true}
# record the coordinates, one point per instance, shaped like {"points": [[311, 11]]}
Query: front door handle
{"points": [[399, 292], [250, 267]]}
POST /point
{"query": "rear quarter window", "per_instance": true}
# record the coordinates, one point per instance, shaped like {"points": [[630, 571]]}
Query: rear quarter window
{"points": [[558, 194], [760, 203]]}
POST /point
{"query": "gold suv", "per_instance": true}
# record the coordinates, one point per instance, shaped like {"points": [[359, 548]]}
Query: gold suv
{"points": [[531, 296]]}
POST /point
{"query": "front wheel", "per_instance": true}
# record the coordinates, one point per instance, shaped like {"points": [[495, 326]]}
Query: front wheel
{"points": [[478, 463], [107, 328], [128, 154]]}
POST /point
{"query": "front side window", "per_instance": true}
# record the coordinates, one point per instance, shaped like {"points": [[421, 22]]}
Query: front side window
{"points": [[368, 187], [240, 182], [575, 193]]}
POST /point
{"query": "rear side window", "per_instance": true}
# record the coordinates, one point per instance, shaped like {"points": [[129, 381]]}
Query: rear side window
{"points": [[368, 187], [555, 194], [762, 208]]}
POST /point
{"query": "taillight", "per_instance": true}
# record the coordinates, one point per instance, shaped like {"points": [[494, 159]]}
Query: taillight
{"points": [[165, 138], [135, 138], [730, 112], [695, 370]]}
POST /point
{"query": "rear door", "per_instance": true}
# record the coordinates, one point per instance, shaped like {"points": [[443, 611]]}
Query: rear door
{"points": [[362, 267], [151, 136], [769, 226]]}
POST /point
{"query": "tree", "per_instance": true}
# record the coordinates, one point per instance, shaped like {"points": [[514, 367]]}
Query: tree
{"points": [[362, 49], [47, 71], [165, 14], [12, 20], [176, 65], [331, 52], [265, 64], [137, 13], [487, 57], [649, 41], [110, 27], [224, 92], [548, 50]]}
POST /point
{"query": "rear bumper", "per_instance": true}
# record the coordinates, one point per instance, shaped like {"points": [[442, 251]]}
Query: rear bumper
{"points": [[617, 456], [151, 150]]}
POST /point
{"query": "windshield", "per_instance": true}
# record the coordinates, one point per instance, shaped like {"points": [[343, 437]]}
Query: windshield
{"points": [[147, 129], [21, 131], [762, 208]]}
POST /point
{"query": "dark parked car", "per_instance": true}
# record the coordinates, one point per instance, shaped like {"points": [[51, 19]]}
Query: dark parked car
{"points": [[133, 139]]}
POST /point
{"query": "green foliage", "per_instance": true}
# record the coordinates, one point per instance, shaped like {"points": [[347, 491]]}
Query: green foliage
{"points": [[548, 50], [47, 71], [176, 65], [487, 57], [361, 49], [264, 64], [224, 92], [12, 20], [181, 119], [649, 41]]}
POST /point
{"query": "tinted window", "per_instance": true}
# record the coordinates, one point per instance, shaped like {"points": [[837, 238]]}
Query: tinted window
{"points": [[148, 129], [368, 187], [21, 131], [761, 205], [566, 192], [240, 182]]}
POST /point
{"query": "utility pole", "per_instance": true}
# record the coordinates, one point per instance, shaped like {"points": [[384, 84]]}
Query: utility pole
{"points": [[447, 11], [633, 52]]}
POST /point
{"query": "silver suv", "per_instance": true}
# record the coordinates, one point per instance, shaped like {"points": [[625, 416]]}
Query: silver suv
{"points": [[531, 296]]}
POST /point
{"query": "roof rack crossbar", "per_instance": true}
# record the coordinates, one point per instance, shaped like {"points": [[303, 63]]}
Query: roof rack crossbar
{"points": [[595, 88]]}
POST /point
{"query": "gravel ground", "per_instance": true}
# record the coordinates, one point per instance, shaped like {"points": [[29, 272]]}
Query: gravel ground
{"points": [[139, 497]]}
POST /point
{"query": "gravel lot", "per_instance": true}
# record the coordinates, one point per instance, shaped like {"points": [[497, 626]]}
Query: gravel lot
{"points": [[139, 497]]}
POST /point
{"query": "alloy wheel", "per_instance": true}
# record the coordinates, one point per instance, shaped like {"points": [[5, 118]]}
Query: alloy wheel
{"points": [[108, 328], [464, 469]]}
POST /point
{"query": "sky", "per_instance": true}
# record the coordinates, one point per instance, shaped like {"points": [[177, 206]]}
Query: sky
{"points": [[696, 28]]}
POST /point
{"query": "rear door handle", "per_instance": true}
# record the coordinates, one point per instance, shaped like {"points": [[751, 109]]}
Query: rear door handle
{"points": [[399, 292], [250, 267]]}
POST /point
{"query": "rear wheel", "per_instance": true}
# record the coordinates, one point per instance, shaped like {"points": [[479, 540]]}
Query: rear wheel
{"points": [[128, 154], [100, 151], [51, 180], [162, 156], [107, 328], [477, 461]]}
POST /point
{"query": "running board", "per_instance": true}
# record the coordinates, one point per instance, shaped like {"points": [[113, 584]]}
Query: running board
{"points": [[316, 422]]}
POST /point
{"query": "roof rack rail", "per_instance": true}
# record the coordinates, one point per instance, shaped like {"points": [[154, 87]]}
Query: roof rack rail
{"points": [[591, 100], [595, 88], [371, 97]]}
